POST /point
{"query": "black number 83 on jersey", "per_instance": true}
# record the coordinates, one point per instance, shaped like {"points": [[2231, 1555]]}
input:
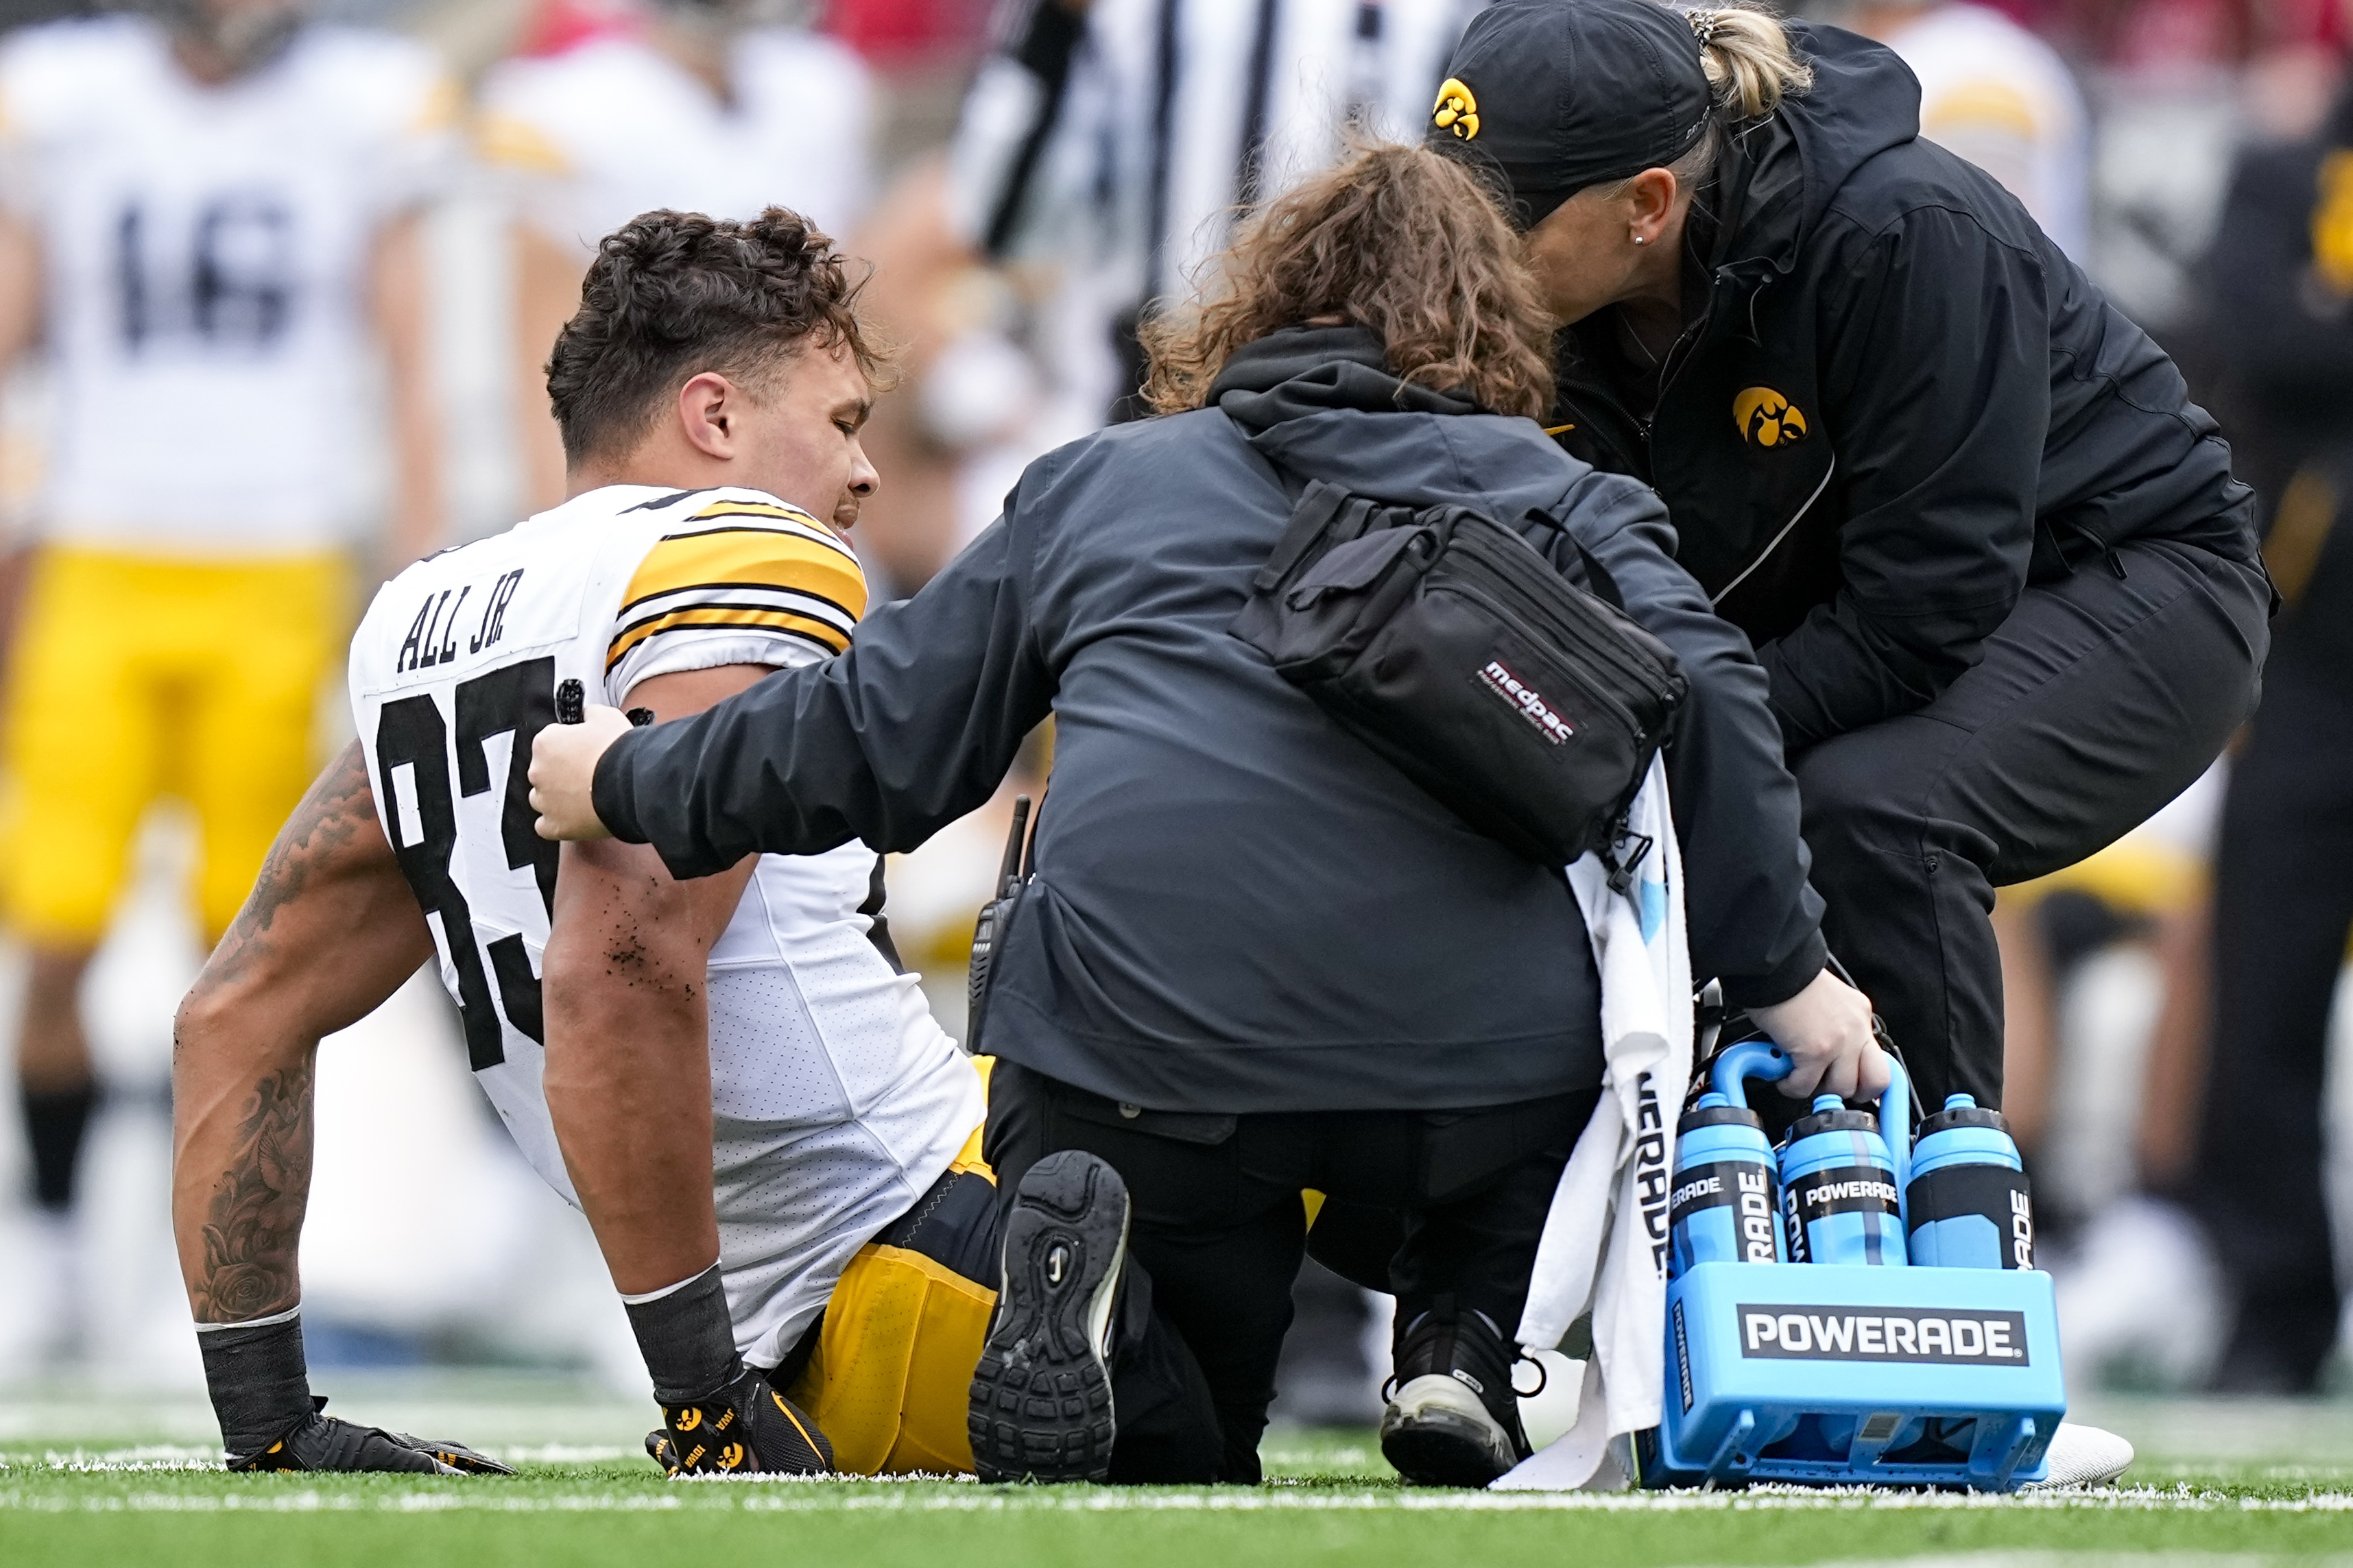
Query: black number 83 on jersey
{"points": [[413, 733]]}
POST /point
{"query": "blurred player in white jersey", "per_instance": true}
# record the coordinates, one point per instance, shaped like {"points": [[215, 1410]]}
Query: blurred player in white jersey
{"points": [[1999, 96], [207, 215], [715, 107], [776, 1146]]}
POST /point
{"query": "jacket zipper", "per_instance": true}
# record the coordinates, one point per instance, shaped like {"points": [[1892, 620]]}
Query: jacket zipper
{"points": [[1774, 543]]}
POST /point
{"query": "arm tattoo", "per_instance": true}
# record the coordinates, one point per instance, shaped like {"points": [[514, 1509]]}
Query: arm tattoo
{"points": [[340, 804], [255, 1219]]}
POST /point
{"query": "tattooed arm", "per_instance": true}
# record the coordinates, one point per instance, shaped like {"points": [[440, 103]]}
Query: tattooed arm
{"points": [[331, 931]]}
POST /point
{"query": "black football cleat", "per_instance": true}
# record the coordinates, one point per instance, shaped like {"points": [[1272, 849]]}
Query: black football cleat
{"points": [[1453, 1419], [1041, 1401], [746, 1428]]}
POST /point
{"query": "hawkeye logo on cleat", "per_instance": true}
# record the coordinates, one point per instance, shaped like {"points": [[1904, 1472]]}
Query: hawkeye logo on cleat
{"points": [[687, 1420], [1951, 1336], [731, 1457], [1767, 418]]}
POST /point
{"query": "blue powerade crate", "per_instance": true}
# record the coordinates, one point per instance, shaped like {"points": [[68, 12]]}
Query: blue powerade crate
{"points": [[1832, 1353], [1830, 1375]]}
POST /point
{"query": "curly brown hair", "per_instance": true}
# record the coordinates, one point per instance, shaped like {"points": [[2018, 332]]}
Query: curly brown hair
{"points": [[671, 295], [1395, 239]]}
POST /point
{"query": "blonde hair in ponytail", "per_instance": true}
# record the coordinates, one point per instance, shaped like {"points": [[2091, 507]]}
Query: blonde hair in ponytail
{"points": [[1749, 61]]}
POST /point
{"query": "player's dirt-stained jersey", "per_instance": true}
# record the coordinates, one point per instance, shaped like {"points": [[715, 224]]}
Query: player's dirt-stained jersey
{"points": [[204, 252], [837, 1099], [594, 136]]}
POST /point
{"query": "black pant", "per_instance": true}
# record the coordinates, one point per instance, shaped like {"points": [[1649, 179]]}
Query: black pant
{"points": [[1218, 1227], [2102, 698], [2283, 904]]}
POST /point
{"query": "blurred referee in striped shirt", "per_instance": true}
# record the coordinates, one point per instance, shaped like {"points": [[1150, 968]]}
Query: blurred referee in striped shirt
{"points": [[1118, 139]]}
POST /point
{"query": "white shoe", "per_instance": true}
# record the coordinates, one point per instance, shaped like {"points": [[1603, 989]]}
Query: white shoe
{"points": [[2083, 1456], [2141, 1290], [1438, 1432]]}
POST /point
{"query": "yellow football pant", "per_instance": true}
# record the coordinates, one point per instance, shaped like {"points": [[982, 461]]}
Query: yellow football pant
{"points": [[892, 1377], [135, 677]]}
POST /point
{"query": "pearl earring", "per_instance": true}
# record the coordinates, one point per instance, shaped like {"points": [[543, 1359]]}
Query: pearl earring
{"points": [[1639, 240]]}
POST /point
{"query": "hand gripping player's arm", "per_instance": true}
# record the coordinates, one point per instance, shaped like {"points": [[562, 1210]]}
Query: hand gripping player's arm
{"points": [[330, 931], [629, 1089], [913, 727]]}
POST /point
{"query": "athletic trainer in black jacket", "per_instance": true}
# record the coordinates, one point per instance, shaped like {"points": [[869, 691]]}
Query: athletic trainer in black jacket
{"points": [[1993, 560], [1255, 957]]}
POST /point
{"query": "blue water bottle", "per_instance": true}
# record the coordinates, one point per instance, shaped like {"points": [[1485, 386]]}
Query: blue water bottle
{"points": [[1842, 1180], [1725, 1197], [1968, 1204]]}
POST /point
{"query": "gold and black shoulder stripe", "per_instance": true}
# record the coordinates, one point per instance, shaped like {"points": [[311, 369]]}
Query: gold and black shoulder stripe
{"points": [[746, 567]]}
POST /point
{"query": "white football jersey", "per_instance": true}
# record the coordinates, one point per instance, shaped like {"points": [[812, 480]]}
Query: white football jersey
{"points": [[204, 255], [2001, 98], [837, 1100], [594, 136]]}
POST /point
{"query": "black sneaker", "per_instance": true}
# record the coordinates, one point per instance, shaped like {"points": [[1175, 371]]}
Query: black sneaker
{"points": [[745, 1428], [1453, 1419], [1041, 1405]]}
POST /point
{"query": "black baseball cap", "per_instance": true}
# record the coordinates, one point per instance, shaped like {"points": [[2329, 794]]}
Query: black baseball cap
{"points": [[1556, 95]]}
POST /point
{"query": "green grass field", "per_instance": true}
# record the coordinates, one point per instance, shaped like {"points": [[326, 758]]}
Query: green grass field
{"points": [[2243, 1482]]}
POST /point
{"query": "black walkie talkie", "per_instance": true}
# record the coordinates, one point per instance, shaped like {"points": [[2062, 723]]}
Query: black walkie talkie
{"points": [[993, 916]]}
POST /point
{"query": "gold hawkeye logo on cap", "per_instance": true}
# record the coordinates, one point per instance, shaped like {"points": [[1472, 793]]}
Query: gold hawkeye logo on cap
{"points": [[1768, 418], [1455, 110]]}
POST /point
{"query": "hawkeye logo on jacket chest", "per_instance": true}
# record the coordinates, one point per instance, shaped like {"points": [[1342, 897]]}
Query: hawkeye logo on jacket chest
{"points": [[1767, 418]]}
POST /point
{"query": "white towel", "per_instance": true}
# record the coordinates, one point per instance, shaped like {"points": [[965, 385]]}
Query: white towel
{"points": [[1605, 1240]]}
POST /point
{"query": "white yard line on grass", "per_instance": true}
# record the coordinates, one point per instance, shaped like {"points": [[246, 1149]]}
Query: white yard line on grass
{"points": [[818, 1497]]}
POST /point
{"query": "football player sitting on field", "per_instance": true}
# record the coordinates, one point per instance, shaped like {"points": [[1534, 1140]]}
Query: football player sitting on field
{"points": [[774, 1142]]}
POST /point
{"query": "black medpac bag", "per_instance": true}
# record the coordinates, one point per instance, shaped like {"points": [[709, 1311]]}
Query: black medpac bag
{"points": [[1450, 645]]}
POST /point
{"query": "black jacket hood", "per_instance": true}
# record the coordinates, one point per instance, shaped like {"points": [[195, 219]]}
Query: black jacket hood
{"points": [[1298, 370], [1321, 403], [1780, 174]]}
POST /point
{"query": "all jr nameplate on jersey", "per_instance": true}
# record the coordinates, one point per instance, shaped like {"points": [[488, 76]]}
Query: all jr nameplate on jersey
{"points": [[1956, 1337]]}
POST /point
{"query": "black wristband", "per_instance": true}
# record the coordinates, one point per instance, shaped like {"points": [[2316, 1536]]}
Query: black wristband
{"points": [[259, 1381], [688, 1340]]}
